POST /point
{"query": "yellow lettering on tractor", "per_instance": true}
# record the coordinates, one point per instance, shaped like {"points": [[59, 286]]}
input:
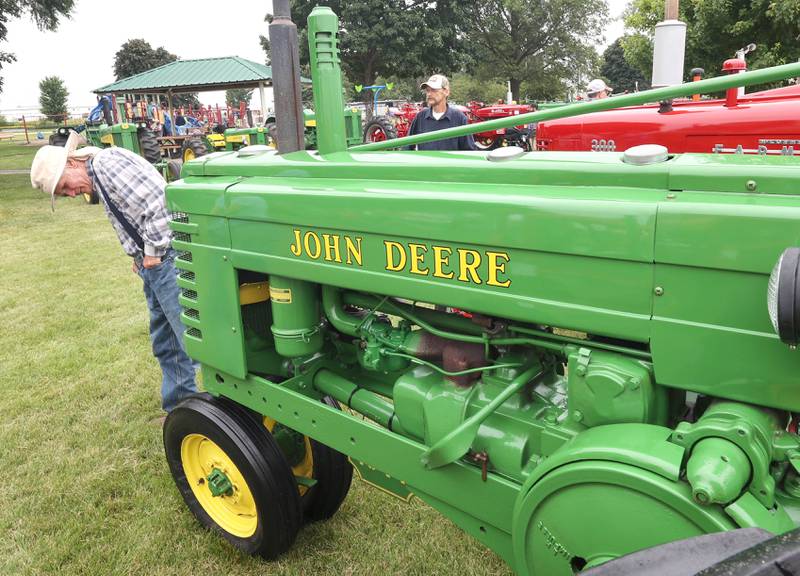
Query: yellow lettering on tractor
{"points": [[353, 250], [468, 268], [391, 249], [313, 252], [332, 247], [440, 260], [296, 247], [495, 267], [418, 252]]}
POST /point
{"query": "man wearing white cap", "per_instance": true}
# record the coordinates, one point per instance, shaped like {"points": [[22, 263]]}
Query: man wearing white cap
{"points": [[133, 195], [597, 90], [438, 116]]}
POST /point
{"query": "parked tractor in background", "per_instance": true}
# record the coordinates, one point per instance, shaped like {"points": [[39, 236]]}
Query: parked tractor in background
{"points": [[628, 376], [397, 122], [766, 122]]}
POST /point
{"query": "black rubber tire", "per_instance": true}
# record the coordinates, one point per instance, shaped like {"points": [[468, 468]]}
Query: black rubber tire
{"points": [[333, 473], [272, 132], [92, 197], [486, 145], [377, 125], [257, 456], [148, 145], [174, 166], [59, 137], [194, 148]]}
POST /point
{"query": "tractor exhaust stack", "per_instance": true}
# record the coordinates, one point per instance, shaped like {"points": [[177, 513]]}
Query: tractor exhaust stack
{"points": [[286, 79]]}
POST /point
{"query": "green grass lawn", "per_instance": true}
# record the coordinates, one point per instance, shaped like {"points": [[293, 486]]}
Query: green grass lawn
{"points": [[16, 156], [85, 488]]}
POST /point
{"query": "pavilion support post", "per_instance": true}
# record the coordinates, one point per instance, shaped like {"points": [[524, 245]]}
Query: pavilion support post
{"points": [[263, 96], [171, 114]]}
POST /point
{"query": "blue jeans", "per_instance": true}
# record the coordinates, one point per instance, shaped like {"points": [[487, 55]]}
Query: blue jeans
{"points": [[166, 331]]}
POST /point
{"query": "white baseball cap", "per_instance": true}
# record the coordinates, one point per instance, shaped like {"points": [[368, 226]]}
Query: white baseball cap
{"points": [[436, 82], [597, 85], [49, 163]]}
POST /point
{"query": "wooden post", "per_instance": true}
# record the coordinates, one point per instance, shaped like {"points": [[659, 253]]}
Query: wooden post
{"points": [[171, 113], [25, 126], [671, 9]]}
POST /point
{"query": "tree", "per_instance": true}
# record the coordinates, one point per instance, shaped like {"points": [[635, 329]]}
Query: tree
{"points": [[137, 55], [236, 95], [44, 13], [716, 29], [538, 41], [53, 98], [619, 73], [406, 38]]}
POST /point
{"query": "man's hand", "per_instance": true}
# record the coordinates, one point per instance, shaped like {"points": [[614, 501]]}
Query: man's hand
{"points": [[134, 267], [151, 262]]}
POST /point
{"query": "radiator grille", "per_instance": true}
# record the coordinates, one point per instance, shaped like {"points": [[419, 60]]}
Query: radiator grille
{"points": [[180, 217], [185, 256], [195, 333], [192, 313], [183, 237], [190, 294], [187, 275]]}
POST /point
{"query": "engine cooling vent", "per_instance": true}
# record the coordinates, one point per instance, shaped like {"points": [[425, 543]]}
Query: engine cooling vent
{"points": [[192, 313], [183, 237], [190, 294], [185, 256], [187, 275], [180, 217], [194, 333]]}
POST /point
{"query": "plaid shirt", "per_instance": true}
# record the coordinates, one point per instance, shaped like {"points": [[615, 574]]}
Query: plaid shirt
{"points": [[137, 190]]}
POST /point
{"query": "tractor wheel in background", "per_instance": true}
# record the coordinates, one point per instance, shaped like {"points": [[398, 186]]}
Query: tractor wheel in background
{"points": [[174, 166], [272, 132], [193, 148], [232, 475], [486, 142], [91, 197], [148, 145], [379, 129], [312, 462], [59, 137]]}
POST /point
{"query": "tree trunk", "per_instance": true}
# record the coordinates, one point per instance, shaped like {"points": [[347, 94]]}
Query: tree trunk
{"points": [[515, 85]]}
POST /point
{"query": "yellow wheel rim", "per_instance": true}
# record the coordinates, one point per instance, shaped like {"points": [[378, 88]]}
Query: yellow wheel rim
{"points": [[305, 468], [188, 154], [235, 512]]}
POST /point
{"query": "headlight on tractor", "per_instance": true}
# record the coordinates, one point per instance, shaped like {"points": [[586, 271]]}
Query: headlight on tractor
{"points": [[783, 296]]}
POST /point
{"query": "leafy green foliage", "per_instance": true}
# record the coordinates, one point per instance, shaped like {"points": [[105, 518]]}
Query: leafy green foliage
{"points": [[619, 73], [44, 13], [466, 87], [539, 42], [137, 55], [53, 97], [390, 37], [716, 29], [236, 95]]}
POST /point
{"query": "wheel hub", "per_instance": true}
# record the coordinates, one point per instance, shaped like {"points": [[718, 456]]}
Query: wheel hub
{"points": [[219, 483]]}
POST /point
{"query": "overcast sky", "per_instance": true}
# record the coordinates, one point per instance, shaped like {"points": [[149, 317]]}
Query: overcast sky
{"points": [[82, 50]]}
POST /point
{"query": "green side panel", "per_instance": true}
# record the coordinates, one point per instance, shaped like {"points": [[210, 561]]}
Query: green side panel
{"points": [[732, 172], [707, 230], [749, 512], [711, 331], [214, 324], [543, 240]]}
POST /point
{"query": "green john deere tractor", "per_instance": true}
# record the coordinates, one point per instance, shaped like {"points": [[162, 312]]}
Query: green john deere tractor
{"points": [[573, 356]]}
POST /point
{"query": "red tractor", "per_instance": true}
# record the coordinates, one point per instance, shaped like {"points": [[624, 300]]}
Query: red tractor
{"points": [[397, 123], [765, 122]]}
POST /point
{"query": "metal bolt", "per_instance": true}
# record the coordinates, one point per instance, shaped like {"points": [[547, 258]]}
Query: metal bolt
{"points": [[671, 196], [634, 383], [577, 415], [225, 258], [751, 185], [659, 291], [233, 328], [580, 370]]}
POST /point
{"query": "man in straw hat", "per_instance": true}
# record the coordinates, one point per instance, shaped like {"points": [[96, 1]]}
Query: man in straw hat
{"points": [[133, 196]]}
